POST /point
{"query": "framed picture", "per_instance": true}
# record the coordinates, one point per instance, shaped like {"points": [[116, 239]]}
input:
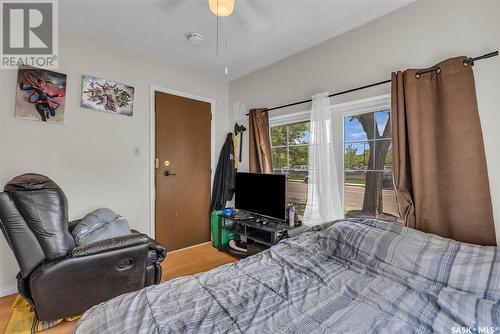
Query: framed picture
{"points": [[40, 95], [108, 96]]}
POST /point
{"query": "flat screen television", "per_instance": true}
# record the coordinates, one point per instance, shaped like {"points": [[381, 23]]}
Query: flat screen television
{"points": [[262, 194]]}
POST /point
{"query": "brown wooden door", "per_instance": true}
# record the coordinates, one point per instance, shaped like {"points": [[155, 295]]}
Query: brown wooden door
{"points": [[182, 200]]}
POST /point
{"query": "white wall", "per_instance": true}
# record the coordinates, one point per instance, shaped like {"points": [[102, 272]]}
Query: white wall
{"points": [[91, 155], [415, 36]]}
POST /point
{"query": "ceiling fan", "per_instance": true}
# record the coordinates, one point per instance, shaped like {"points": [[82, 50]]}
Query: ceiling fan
{"points": [[249, 14]]}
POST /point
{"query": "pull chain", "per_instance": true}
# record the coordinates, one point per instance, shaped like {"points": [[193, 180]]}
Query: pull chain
{"points": [[226, 70]]}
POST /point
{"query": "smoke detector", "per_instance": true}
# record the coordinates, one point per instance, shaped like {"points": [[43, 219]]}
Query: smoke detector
{"points": [[195, 39]]}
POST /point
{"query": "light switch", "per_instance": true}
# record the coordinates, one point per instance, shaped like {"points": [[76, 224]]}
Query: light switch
{"points": [[137, 151]]}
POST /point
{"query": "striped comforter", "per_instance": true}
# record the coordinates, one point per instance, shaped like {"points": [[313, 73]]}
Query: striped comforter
{"points": [[349, 276]]}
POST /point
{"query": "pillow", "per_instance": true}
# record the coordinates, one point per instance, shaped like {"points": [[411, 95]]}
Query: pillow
{"points": [[98, 225]]}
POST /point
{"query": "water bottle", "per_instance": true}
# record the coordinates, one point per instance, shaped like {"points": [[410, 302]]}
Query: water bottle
{"points": [[291, 215]]}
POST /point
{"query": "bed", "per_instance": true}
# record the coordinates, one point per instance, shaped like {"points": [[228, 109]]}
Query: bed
{"points": [[347, 276]]}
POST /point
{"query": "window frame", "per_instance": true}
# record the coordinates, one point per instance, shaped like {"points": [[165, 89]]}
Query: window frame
{"points": [[354, 108], [288, 145], [339, 111]]}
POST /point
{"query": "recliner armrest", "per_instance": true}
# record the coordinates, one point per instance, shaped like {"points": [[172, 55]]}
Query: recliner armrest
{"points": [[107, 245], [161, 251], [71, 285]]}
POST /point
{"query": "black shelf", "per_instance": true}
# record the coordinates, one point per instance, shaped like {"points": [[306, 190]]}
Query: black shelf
{"points": [[259, 235], [262, 237], [233, 228], [255, 247]]}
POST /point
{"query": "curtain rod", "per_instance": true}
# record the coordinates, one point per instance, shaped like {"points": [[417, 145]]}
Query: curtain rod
{"points": [[470, 61]]}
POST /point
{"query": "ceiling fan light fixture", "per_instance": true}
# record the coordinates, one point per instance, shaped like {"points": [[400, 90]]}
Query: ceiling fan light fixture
{"points": [[221, 8]]}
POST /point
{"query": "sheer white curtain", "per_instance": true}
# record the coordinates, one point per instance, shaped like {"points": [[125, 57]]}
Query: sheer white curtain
{"points": [[323, 195]]}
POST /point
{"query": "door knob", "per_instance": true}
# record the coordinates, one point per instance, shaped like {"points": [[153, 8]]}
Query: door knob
{"points": [[167, 173]]}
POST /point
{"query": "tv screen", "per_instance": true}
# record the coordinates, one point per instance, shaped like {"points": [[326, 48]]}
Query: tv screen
{"points": [[263, 194]]}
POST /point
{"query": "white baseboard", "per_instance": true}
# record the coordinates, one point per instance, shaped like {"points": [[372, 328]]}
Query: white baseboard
{"points": [[8, 290]]}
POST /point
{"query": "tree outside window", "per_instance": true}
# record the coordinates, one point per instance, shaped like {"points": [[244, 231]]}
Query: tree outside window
{"points": [[368, 181]]}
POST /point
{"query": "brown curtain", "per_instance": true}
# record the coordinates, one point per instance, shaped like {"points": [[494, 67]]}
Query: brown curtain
{"points": [[260, 143], [440, 170]]}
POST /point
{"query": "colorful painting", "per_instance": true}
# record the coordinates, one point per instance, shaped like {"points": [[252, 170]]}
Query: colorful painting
{"points": [[40, 95], [108, 96]]}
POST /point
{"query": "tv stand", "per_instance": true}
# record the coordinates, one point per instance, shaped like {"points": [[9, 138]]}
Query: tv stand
{"points": [[260, 232]]}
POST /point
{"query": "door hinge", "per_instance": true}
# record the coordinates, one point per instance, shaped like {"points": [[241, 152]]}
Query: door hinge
{"points": [[210, 116], [157, 163]]}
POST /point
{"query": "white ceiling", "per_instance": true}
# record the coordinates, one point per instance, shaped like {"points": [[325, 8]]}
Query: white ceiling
{"points": [[258, 33]]}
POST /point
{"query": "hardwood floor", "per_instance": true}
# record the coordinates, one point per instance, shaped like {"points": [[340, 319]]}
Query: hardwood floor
{"points": [[179, 263]]}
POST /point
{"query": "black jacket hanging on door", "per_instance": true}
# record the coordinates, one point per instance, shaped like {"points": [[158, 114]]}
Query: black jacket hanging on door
{"points": [[225, 177]]}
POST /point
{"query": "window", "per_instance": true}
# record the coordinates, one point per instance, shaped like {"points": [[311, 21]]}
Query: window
{"points": [[290, 157], [368, 180], [363, 142]]}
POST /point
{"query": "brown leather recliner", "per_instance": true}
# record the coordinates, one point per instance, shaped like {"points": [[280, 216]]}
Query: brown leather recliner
{"points": [[58, 278]]}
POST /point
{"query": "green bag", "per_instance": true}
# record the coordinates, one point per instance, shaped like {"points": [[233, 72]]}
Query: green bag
{"points": [[226, 235]]}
